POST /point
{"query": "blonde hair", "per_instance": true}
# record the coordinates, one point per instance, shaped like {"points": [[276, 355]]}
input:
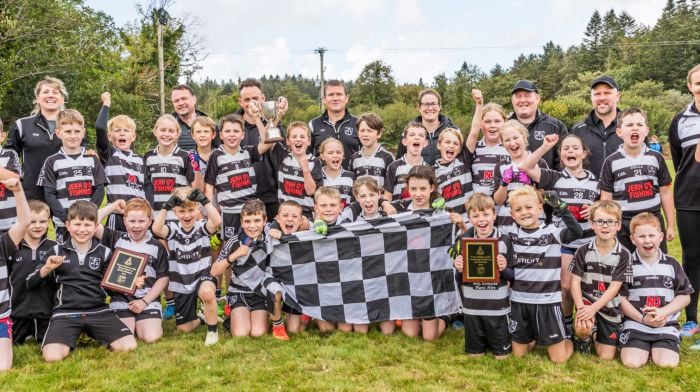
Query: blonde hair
{"points": [[517, 126], [182, 192], [298, 124], [454, 132], [327, 191], [368, 182], [38, 206], [609, 207], [167, 117], [480, 202], [493, 107], [205, 122], [525, 190], [51, 82], [330, 140], [692, 71], [70, 116], [644, 218], [121, 121]]}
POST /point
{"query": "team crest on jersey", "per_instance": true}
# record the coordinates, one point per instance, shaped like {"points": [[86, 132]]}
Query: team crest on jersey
{"points": [[228, 232], [539, 135], [668, 282], [348, 131], [42, 254], [624, 337], [94, 263], [512, 325]]}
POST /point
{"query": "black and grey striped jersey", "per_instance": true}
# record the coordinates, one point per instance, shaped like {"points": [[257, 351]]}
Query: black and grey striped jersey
{"points": [[7, 250], [484, 161], [374, 165], [74, 177], [290, 180], [395, 180], [8, 206], [189, 257], [683, 138], [635, 181], [156, 268], [165, 173], [125, 175], [597, 271], [504, 219], [455, 181], [343, 183], [655, 285], [233, 177], [576, 192]]}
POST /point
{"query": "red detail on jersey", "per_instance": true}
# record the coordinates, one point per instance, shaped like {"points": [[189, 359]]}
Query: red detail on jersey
{"points": [[79, 189], [452, 191], [488, 174], [587, 302], [3, 192], [576, 212], [404, 194], [293, 188], [239, 181], [640, 190], [163, 185], [131, 179], [653, 301], [601, 286]]}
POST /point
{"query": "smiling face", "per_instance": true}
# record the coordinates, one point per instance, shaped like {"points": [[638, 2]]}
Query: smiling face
{"points": [[572, 153], [647, 239], [249, 94], [298, 140], [81, 230], [514, 142], [332, 154], [38, 224], [335, 99], [202, 135], [483, 221], [525, 104], [71, 135], [253, 224], [604, 99], [420, 190], [231, 134], [49, 98], [526, 210], [327, 208], [166, 132], [289, 218], [183, 102], [694, 86], [602, 226], [137, 223], [633, 129], [414, 140], [187, 215], [368, 136], [449, 147], [369, 201], [429, 108], [491, 124]]}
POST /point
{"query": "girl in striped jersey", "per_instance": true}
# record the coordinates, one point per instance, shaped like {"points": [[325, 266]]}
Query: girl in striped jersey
{"points": [[652, 303], [508, 175], [298, 172], [124, 168], [331, 153], [578, 188], [453, 170], [414, 138], [141, 312], [534, 254], [488, 151], [372, 159]]}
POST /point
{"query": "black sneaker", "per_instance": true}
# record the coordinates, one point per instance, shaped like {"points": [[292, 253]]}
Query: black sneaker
{"points": [[583, 346]]}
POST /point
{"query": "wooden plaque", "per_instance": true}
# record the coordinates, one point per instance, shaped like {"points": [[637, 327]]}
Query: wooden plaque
{"points": [[480, 265], [123, 269]]}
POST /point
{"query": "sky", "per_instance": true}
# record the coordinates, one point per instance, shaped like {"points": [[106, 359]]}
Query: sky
{"points": [[417, 38]]}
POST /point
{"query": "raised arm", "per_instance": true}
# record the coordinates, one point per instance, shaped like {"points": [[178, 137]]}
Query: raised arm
{"points": [[473, 136], [530, 165], [18, 229], [101, 139]]}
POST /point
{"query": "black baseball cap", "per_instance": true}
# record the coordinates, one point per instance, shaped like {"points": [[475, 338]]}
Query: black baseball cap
{"points": [[605, 79], [524, 85]]}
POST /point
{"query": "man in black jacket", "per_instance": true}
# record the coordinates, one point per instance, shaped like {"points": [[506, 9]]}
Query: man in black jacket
{"points": [[336, 121], [184, 102], [525, 100]]}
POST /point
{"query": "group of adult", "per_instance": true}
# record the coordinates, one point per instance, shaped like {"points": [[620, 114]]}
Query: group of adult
{"points": [[33, 139]]}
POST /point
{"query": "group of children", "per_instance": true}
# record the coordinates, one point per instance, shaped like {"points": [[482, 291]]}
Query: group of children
{"points": [[568, 239]]}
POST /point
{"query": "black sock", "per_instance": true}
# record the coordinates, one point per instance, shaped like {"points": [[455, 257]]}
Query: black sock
{"points": [[218, 293], [569, 320], [276, 323], [212, 328], [170, 302]]}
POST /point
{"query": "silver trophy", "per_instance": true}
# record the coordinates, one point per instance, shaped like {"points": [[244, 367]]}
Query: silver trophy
{"points": [[270, 112]]}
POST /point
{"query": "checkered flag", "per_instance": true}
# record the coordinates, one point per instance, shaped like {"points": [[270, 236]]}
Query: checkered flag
{"points": [[392, 268]]}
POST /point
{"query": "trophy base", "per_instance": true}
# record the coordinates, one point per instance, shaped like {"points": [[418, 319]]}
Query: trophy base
{"points": [[274, 140]]}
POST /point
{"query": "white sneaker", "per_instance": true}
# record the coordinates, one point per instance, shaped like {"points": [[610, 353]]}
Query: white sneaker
{"points": [[212, 338]]}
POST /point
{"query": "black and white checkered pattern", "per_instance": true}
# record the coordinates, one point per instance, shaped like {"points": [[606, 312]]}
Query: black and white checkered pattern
{"points": [[392, 268]]}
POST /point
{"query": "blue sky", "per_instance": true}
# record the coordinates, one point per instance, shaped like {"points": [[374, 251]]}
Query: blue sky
{"points": [[417, 38]]}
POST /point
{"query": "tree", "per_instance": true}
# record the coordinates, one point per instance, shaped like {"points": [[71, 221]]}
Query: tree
{"points": [[375, 85]]}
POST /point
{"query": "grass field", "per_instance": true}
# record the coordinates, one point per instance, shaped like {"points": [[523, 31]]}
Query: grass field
{"points": [[312, 361]]}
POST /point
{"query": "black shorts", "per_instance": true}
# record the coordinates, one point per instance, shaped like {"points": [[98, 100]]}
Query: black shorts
{"points": [[487, 333], [607, 332], [252, 301], [542, 323], [186, 304], [647, 341], [104, 327], [289, 310], [23, 329], [145, 314], [230, 225]]}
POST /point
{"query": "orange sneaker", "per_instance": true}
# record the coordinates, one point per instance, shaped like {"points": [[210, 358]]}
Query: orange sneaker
{"points": [[280, 332], [306, 319], [398, 323]]}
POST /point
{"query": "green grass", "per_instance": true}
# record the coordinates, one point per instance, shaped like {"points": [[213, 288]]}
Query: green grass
{"points": [[331, 362]]}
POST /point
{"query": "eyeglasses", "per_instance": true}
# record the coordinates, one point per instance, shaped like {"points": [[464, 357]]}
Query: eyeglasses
{"points": [[426, 105], [605, 222]]}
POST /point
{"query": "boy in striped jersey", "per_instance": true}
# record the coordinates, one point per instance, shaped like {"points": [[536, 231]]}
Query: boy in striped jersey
{"points": [[8, 249], [486, 305], [637, 178], [372, 159], [414, 139], [599, 269], [123, 167], [70, 175], [9, 161], [652, 302], [190, 258], [534, 254], [453, 170], [141, 312]]}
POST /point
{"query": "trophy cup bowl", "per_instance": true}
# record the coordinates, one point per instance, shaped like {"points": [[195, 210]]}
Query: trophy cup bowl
{"points": [[270, 111]]}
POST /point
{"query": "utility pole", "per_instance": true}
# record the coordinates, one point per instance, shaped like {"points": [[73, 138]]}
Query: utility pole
{"points": [[321, 51], [162, 21]]}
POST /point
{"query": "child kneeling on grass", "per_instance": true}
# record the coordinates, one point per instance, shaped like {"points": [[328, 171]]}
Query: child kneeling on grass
{"points": [[486, 305], [653, 301], [190, 258], [248, 307], [599, 270], [534, 252]]}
